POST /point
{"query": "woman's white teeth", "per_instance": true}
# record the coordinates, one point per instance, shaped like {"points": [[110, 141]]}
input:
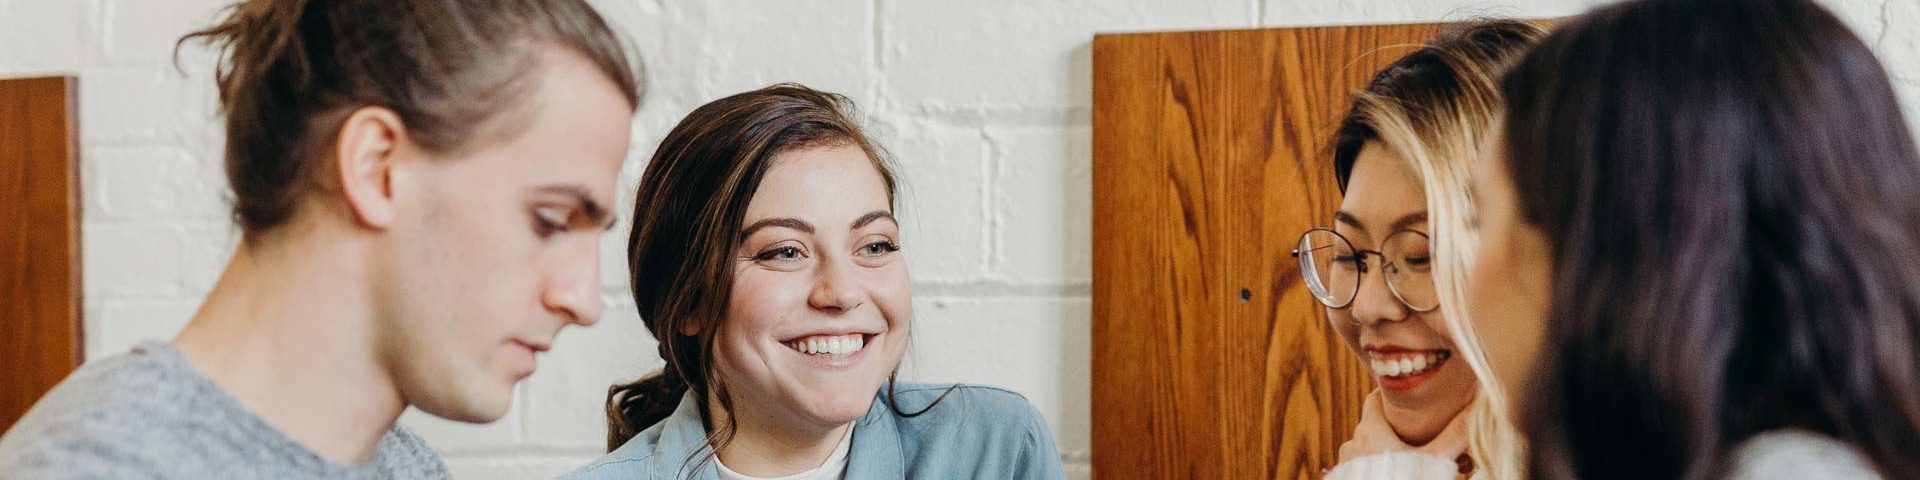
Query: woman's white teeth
{"points": [[1404, 364], [836, 345]]}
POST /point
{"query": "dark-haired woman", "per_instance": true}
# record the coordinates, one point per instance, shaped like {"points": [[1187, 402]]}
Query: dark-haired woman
{"points": [[766, 259], [1699, 248]]}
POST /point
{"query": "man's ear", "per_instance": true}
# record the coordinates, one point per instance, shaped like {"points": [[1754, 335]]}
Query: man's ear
{"points": [[364, 157]]}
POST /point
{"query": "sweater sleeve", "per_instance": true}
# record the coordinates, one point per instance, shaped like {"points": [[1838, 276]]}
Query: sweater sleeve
{"points": [[1401, 465]]}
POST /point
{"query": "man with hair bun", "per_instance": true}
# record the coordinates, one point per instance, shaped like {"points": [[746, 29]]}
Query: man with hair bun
{"points": [[421, 188]]}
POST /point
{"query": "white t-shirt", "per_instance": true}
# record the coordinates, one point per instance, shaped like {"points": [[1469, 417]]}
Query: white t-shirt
{"points": [[832, 469]]}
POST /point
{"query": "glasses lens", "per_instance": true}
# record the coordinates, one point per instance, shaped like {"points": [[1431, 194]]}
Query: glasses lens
{"points": [[1410, 255], [1330, 266]]}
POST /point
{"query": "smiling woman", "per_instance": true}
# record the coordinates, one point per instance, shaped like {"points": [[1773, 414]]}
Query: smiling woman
{"points": [[766, 261], [1392, 268]]}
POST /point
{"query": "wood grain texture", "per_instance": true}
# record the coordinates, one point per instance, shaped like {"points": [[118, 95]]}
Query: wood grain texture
{"points": [[40, 218], [1210, 358]]}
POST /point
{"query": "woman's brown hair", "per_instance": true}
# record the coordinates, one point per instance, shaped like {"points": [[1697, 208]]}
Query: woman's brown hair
{"points": [[454, 71], [687, 220], [1732, 199]]}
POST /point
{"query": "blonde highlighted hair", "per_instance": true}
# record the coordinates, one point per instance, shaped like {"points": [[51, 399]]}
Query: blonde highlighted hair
{"points": [[1436, 109]]}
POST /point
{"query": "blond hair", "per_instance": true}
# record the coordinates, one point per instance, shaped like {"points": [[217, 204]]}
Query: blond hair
{"points": [[1436, 109]]}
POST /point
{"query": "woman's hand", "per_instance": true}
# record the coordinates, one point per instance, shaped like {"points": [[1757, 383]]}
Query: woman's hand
{"points": [[1373, 435]]}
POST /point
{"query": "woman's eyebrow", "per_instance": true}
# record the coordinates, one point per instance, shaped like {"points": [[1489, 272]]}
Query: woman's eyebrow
{"points": [[793, 223], [1398, 224], [870, 217], [1347, 218], [1408, 220]]}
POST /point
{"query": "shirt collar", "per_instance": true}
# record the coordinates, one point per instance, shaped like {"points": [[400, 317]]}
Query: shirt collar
{"points": [[876, 450], [681, 433], [876, 444]]}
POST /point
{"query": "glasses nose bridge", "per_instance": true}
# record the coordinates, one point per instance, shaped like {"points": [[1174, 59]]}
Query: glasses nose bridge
{"points": [[1385, 266]]}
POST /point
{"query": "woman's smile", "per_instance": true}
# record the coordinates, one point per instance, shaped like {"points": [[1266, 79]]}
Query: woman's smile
{"points": [[1402, 369], [832, 352]]}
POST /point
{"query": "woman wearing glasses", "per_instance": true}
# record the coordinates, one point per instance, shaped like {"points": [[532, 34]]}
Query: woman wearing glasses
{"points": [[1390, 268]]}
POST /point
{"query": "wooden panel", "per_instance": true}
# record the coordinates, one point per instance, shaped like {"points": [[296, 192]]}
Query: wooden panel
{"points": [[1210, 358], [40, 218]]}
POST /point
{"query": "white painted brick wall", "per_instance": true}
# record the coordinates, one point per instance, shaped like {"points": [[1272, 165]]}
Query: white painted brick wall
{"points": [[985, 104]]}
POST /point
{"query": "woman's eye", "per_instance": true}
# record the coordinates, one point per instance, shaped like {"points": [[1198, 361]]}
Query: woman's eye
{"points": [[1347, 263], [781, 254], [879, 248], [1419, 261]]}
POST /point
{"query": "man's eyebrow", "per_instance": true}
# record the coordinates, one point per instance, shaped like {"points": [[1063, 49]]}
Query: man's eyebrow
{"points": [[792, 223], [592, 210], [872, 216]]}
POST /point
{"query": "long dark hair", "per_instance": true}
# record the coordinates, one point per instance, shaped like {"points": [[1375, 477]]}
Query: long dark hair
{"points": [[687, 220], [1733, 202]]}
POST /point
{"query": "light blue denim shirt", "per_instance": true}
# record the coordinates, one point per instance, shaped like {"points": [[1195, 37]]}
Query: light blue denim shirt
{"points": [[977, 432]]}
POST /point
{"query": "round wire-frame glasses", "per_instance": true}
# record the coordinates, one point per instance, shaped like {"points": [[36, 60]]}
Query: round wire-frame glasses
{"points": [[1333, 268]]}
